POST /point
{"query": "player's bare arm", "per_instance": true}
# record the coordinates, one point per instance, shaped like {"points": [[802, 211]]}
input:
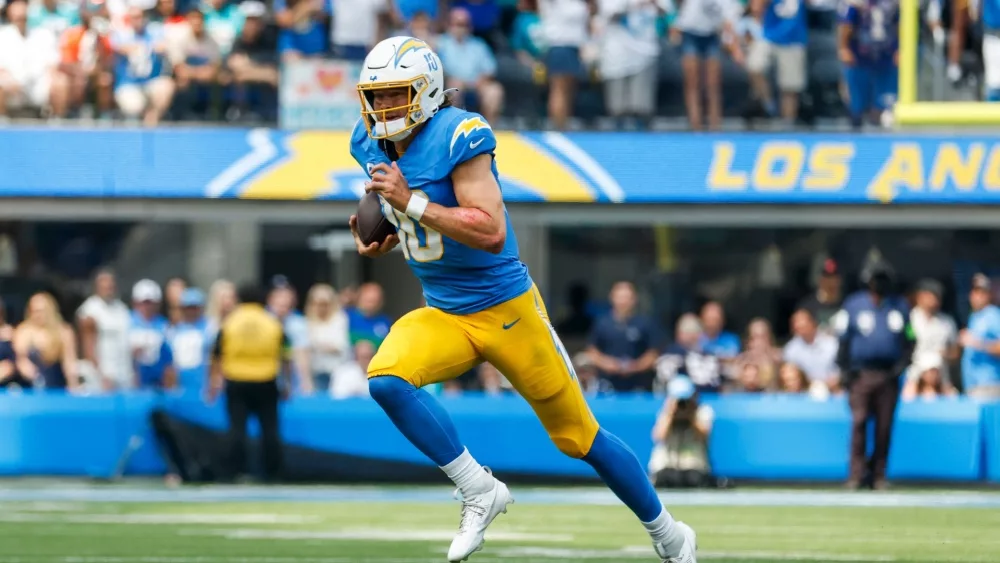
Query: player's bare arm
{"points": [[478, 222]]}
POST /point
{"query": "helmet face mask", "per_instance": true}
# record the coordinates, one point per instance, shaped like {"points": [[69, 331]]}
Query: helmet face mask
{"points": [[394, 66]]}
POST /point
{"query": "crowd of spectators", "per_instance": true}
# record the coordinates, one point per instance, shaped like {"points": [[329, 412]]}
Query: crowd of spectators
{"points": [[220, 59]]}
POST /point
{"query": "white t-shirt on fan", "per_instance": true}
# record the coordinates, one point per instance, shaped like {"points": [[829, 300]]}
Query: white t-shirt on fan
{"points": [[114, 358], [564, 22], [631, 44], [355, 22]]}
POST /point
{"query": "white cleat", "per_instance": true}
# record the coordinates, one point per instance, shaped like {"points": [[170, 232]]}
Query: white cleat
{"points": [[688, 550], [478, 512]]}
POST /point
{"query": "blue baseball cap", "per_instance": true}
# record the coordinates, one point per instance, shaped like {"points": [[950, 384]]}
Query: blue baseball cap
{"points": [[192, 297], [680, 388]]}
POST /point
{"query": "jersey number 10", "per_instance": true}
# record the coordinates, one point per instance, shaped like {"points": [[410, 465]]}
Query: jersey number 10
{"points": [[433, 247]]}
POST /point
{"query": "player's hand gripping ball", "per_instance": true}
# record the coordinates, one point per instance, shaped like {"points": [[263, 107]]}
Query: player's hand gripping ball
{"points": [[373, 233], [388, 181]]}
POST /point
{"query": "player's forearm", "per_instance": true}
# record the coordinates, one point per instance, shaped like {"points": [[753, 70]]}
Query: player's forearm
{"points": [[468, 225]]}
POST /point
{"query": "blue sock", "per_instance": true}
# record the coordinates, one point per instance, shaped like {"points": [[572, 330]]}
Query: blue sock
{"points": [[993, 95], [418, 416], [621, 471]]}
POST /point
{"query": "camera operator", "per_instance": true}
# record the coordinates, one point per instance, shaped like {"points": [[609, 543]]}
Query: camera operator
{"points": [[680, 456]]}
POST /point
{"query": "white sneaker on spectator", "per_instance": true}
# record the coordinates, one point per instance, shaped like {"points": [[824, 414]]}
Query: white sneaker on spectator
{"points": [[478, 512], [688, 550]]}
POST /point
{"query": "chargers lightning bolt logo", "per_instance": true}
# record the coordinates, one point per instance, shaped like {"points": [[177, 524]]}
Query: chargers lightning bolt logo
{"points": [[410, 44], [465, 128]]}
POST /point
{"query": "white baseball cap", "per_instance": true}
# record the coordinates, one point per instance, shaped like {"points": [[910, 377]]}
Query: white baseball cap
{"points": [[253, 9], [146, 290]]}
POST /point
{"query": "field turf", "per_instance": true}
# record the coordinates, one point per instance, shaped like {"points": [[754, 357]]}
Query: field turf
{"points": [[304, 525]]}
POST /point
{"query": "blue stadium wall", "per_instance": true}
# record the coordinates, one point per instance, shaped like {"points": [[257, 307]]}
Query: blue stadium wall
{"points": [[754, 437], [535, 167]]}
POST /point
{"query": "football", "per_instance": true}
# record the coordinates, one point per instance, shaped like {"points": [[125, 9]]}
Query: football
{"points": [[372, 224]]}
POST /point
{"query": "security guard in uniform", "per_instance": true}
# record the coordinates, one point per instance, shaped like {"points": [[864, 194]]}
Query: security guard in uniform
{"points": [[875, 348], [250, 356]]}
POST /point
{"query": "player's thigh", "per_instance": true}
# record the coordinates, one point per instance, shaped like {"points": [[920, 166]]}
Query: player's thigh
{"points": [[535, 362], [791, 62], [425, 346]]}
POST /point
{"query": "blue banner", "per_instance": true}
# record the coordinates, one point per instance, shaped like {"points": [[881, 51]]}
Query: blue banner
{"points": [[553, 167]]}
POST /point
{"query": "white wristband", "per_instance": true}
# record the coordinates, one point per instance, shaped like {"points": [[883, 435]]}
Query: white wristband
{"points": [[416, 207]]}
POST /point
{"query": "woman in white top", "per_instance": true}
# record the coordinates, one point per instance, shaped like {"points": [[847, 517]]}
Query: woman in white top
{"points": [[329, 341], [565, 27], [700, 29]]}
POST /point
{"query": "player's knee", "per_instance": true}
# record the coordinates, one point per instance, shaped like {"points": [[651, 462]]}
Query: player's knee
{"points": [[388, 389], [573, 446]]}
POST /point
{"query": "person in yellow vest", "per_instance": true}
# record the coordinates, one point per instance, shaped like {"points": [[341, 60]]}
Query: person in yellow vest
{"points": [[250, 360]]}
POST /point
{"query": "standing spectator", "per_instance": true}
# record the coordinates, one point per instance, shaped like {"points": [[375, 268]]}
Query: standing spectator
{"points": [[190, 342], [223, 21], [358, 25], [826, 300], [935, 333], [45, 346], [625, 344], [761, 352], [630, 51], [329, 341], [715, 339], [29, 62], [253, 63], [565, 26], [874, 351], [172, 294], [249, 357], [87, 58], [928, 383], [303, 30], [421, 26], [687, 357], [813, 352], [471, 67], [151, 353], [528, 38], [103, 320], [55, 15], [197, 72], [868, 45], [981, 340], [783, 46], [8, 360], [351, 377], [221, 301], [144, 87], [281, 303], [367, 321], [700, 28]]}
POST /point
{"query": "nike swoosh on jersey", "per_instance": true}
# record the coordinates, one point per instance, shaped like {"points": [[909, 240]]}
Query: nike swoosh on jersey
{"points": [[475, 144], [507, 326]]}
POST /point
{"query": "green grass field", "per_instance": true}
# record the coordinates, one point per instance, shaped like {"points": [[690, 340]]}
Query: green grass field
{"points": [[68, 531]]}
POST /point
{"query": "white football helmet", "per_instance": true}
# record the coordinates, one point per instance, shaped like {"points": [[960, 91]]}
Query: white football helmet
{"points": [[400, 62]]}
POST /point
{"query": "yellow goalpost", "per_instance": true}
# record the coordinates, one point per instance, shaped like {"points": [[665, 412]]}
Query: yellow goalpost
{"points": [[911, 112]]}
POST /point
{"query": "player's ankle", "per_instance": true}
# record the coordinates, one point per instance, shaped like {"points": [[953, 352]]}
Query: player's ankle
{"points": [[664, 531], [468, 475]]}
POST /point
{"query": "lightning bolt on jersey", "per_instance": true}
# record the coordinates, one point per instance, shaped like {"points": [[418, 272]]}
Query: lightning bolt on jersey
{"points": [[455, 278]]}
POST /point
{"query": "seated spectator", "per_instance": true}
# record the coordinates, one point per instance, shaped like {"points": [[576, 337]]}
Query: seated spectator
{"points": [[421, 26], [791, 379], [981, 340], [715, 339], [761, 351], [929, 382], [253, 64], [8, 367], [681, 434], [492, 381], [351, 378], [303, 28], [528, 38], [191, 342], [630, 51], [223, 22], [935, 332], [329, 340], [54, 15], [147, 335], [197, 73], [586, 373], [625, 344], [358, 25], [167, 21], [471, 67], [687, 357], [813, 352], [28, 66], [143, 85], [45, 346], [749, 380], [87, 58], [484, 18], [367, 321]]}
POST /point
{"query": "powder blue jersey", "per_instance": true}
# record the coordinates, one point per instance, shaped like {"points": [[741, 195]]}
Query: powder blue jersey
{"points": [[190, 344], [455, 278], [151, 350], [784, 22]]}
